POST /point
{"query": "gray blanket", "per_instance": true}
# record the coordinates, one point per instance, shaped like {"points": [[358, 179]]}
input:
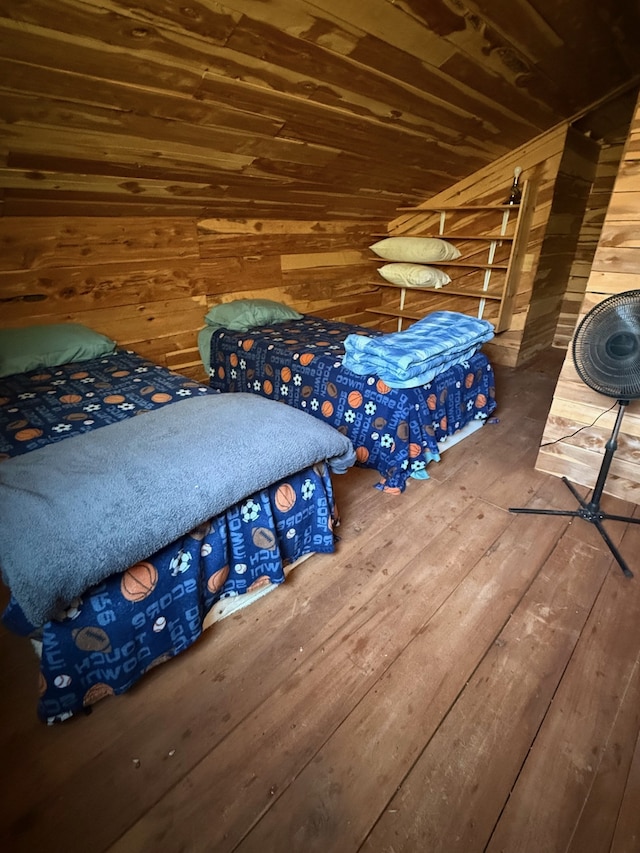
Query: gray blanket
{"points": [[79, 510]]}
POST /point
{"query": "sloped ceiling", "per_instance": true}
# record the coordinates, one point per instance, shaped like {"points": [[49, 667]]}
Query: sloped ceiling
{"points": [[305, 109]]}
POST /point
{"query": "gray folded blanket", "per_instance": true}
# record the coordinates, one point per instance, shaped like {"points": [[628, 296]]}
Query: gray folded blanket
{"points": [[76, 511]]}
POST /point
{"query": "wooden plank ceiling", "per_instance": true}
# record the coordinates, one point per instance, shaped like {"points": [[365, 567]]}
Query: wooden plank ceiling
{"points": [[291, 109]]}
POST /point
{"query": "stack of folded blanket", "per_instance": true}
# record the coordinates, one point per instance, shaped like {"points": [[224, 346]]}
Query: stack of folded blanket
{"points": [[414, 356]]}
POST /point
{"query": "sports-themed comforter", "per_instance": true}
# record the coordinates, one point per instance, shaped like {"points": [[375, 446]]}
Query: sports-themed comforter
{"points": [[105, 638], [395, 431]]}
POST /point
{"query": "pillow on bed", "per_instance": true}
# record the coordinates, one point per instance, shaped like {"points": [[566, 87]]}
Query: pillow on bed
{"points": [[242, 314], [423, 250], [414, 275], [48, 346]]}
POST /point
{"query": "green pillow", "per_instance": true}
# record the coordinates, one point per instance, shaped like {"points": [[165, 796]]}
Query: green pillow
{"points": [[48, 346], [242, 314]]}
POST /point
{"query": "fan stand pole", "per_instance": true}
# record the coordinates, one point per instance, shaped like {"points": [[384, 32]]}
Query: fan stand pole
{"points": [[590, 511]]}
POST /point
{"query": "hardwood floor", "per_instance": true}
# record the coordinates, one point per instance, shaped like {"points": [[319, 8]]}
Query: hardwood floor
{"points": [[455, 678]]}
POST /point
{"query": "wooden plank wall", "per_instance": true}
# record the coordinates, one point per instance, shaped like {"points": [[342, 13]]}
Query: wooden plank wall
{"points": [[540, 161], [298, 109], [616, 269], [147, 283], [560, 244], [601, 189]]}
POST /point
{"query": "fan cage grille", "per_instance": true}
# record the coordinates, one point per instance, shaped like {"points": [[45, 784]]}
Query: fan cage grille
{"points": [[606, 347]]}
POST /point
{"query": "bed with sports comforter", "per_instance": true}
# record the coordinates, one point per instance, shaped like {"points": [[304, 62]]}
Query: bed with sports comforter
{"points": [[341, 374], [135, 502]]}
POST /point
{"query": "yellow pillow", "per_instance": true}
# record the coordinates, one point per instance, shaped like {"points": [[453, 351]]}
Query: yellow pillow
{"points": [[414, 275], [423, 250]]}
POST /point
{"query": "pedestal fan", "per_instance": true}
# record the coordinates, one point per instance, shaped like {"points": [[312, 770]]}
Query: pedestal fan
{"points": [[606, 354]]}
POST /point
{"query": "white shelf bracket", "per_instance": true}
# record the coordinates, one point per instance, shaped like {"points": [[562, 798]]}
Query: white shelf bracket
{"points": [[403, 293]]}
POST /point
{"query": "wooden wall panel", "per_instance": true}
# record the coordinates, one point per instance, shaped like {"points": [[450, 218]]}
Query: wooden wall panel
{"points": [[147, 283], [31, 243], [590, 233], [616, 269], [305, 109], [571, 194]]}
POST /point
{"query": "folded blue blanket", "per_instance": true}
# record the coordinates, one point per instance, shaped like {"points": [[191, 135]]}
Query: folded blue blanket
{"points": [[76, 511], [414, 356]]}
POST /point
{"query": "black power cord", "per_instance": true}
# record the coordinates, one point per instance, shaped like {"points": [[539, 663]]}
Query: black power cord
{"points": [[586, 426]]}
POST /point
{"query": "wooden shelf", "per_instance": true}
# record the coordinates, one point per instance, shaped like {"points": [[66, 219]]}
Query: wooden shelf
{"points": [[514, 218], [445, 290], [438, 264], [437, 208], [479, 294], [482, 237], [392, 312]]}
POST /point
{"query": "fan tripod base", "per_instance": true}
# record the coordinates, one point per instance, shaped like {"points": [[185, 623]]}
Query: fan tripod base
{"points": [[590, 511]]}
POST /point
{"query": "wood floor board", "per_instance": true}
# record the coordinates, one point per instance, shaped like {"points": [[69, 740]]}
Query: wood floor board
{"points": [[617, 777], [18, 678], [532, 397], [454, 795], [505, 449], [613, 781], [398, 718], [516, 489], [626, 838], [554, 788], [391, 723]]}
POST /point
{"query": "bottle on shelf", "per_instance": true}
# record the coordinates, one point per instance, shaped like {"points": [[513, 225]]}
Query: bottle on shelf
{"points": [[515, 194]]}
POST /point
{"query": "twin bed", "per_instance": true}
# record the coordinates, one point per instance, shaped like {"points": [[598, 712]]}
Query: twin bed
{"points": [[302, 361], [136, 504]]}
